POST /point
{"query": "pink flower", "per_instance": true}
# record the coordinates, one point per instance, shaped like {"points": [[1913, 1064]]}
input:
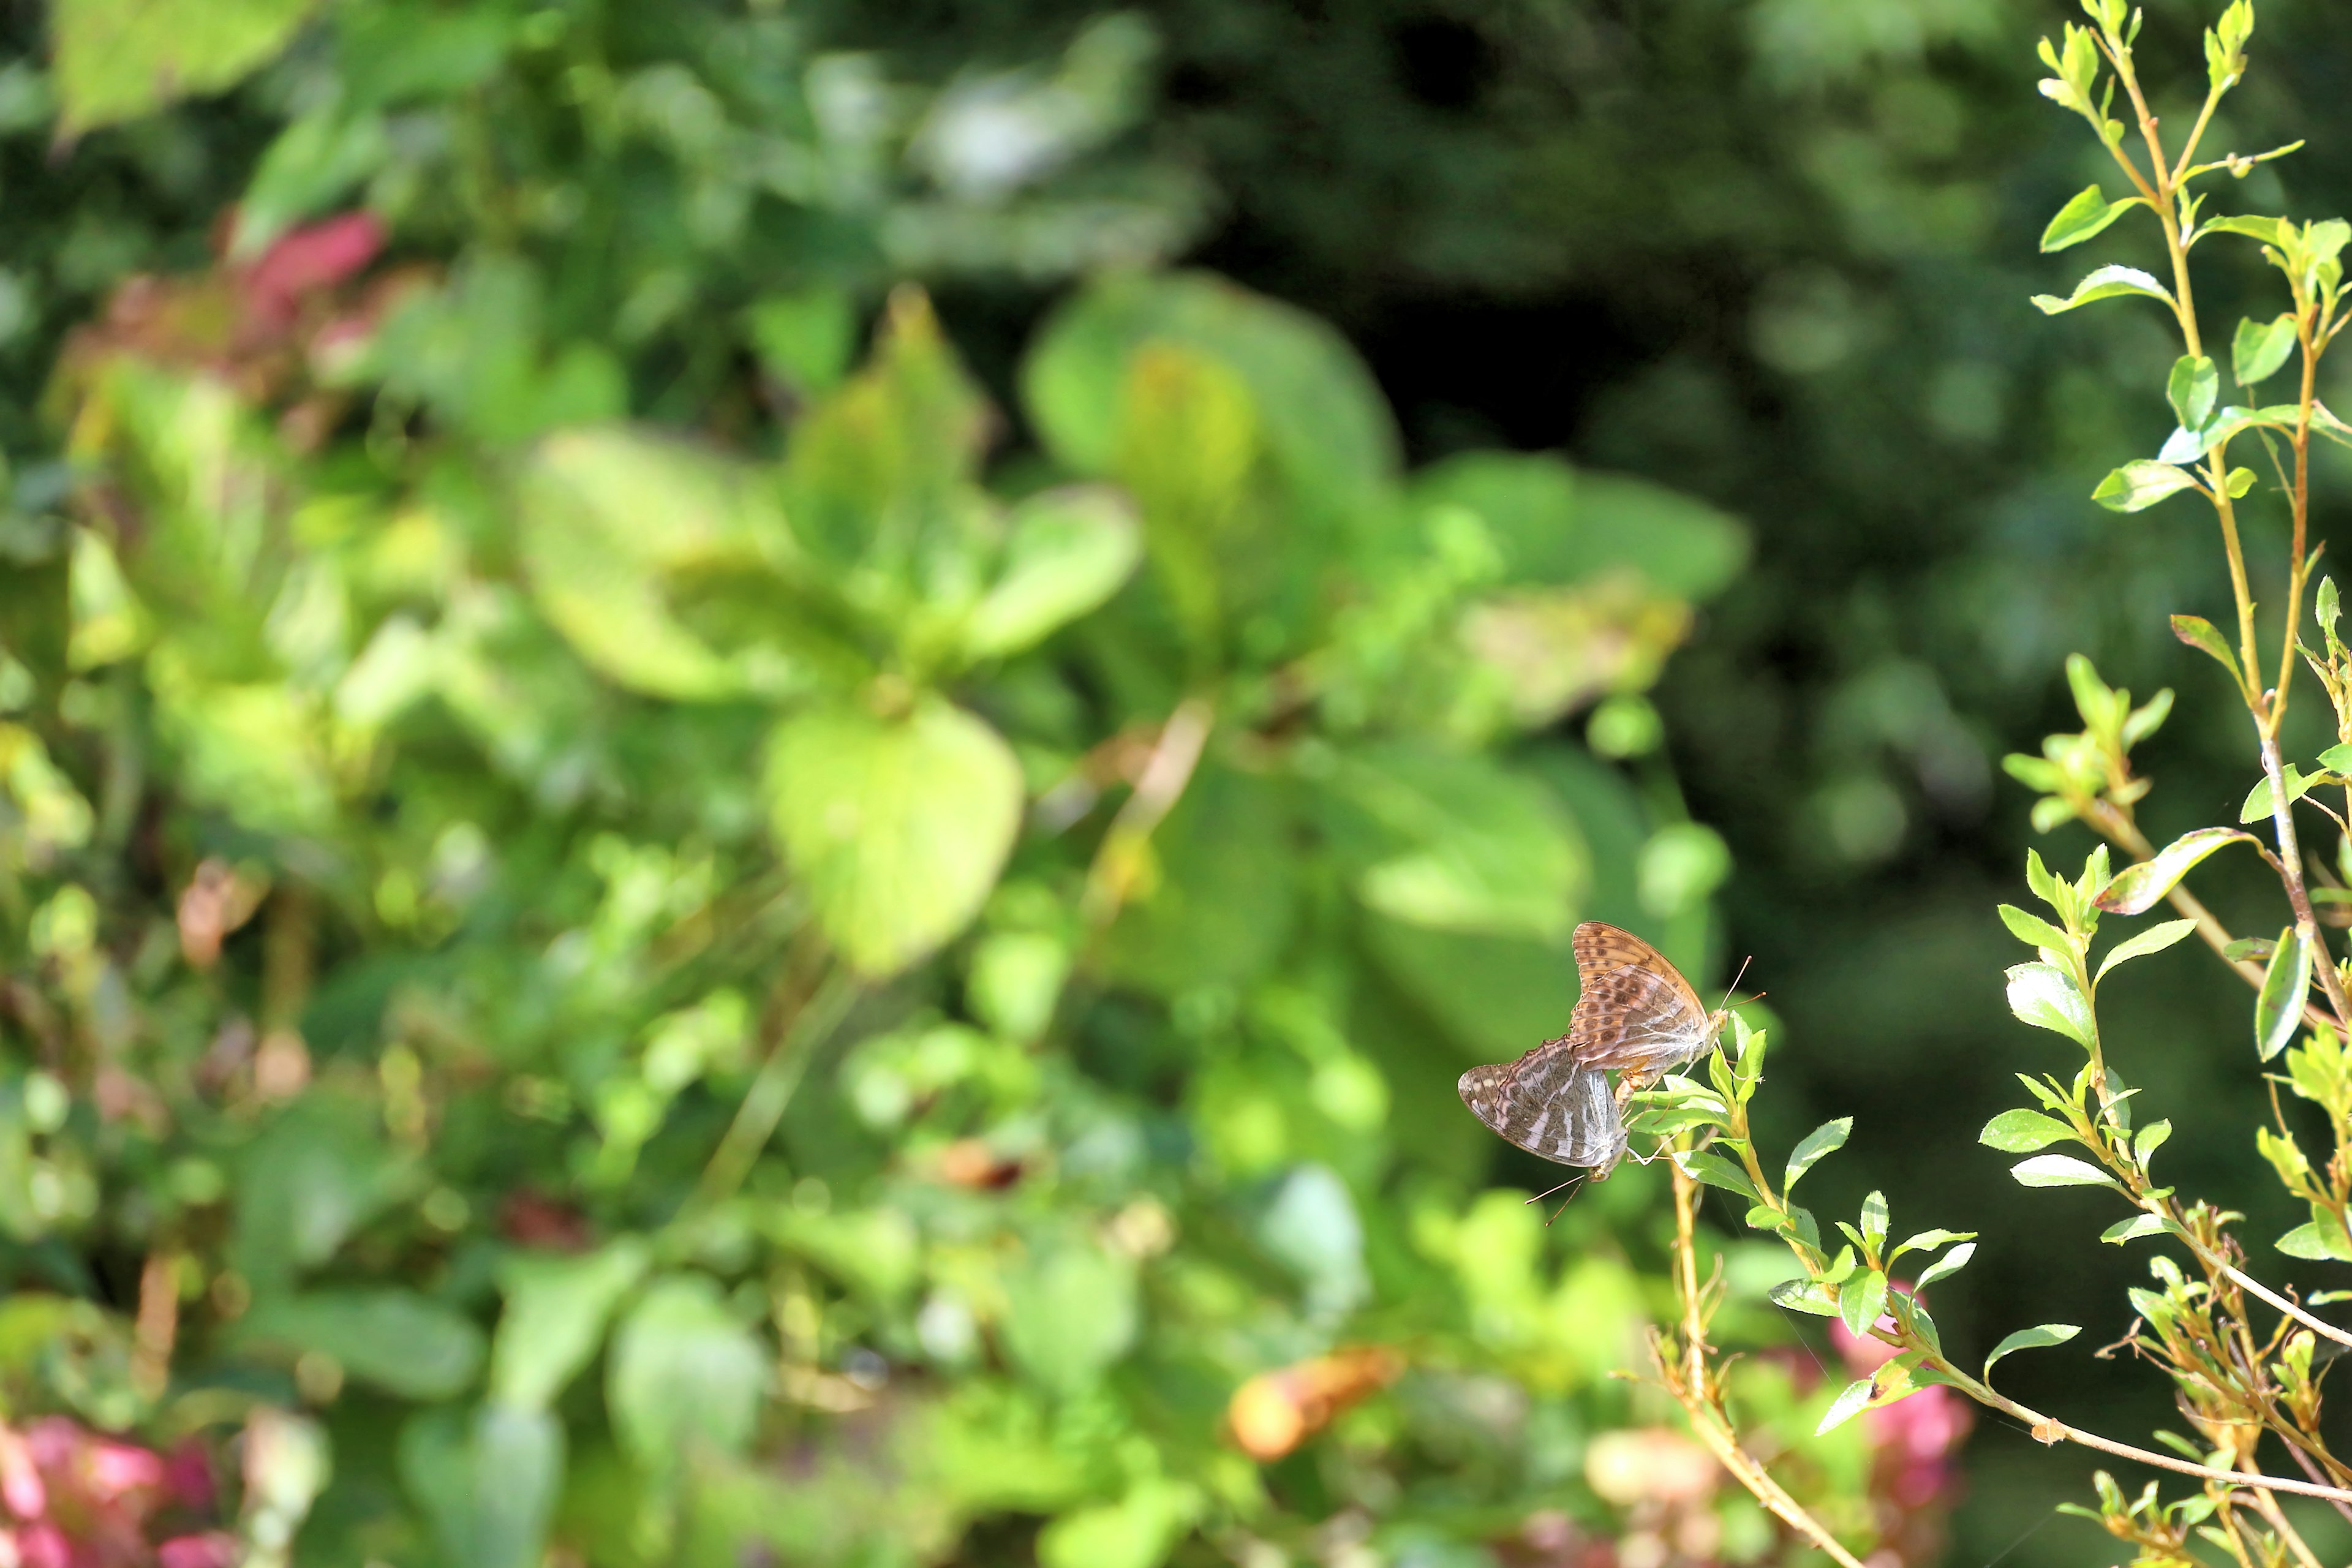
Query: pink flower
{"points": [[214, 1549], [308, 259]]}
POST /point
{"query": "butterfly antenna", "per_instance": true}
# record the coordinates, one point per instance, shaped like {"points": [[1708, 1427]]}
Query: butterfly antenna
{"points": [[1564, 1202], [1730, 990], [1548, 1191]]}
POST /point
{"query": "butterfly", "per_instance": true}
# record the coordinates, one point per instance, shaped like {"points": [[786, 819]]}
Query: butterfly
{"points": [[1635, 1014]]}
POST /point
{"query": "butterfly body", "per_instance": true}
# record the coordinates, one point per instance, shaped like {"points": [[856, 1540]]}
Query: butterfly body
{"points": [[1636, 1015]]}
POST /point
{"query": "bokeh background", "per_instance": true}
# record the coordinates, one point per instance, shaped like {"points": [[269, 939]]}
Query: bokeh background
{"points": [[411, 881]]}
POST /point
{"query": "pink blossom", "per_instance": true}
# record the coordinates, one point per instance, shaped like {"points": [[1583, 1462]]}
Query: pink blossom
{"points": [[310, 258], [214, 1549]]}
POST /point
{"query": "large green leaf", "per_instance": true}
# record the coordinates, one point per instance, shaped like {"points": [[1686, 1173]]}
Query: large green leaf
{"points": [[1325, 423], [397, 1339], [614, 523], [897, 825], [555, 1315], [486, 1479], [1071, 1311], [1452, 842], [684, 1374], [1066, 552], [117, 59]]}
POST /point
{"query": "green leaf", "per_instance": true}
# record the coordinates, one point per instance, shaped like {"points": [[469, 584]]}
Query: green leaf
{"points": [[1067, 552], [1717, 1172], [2322, 1238], [684, 1374], [1873, 1218], [2031, 1339], [897, 826], [487, 1481], [619, 529], [2253, 225], [1927, 1241], [1073, 1313], [2261, 800], [1850, 1401], [2022, 1132], [1861, 1299], [2086, 214], [556, 1309], [1823, 1141], [2258, 948], [1804, 1295], [2045, 997], [397, 1339], [2135, 889], [2278, 1007], [1455, 842], [2140, 484], [2149, 1139], [2137, 1226], [2059, 1170], [2106, 283], [2337, 759], [2259, 349], [1139, 1531], [2194, 386], [2200, 633], [1951, 1263], [2154, 939], [118, 59], [2033, 931]]}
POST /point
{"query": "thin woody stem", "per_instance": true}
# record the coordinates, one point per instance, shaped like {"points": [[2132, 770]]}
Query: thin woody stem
{"points": [[1689, 1387]]}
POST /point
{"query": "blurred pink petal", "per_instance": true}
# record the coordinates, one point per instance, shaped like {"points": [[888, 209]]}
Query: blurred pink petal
{"points": [[188, 1477], [21, 1487], [318, 257], [112, 1469], [214, 1549], [44, 1545]]}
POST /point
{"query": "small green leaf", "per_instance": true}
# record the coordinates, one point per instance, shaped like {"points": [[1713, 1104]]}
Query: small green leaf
{"points": [[2059, 1170], [2031, 1339], [2253, 225], [556, 1309], [2154, 939], [2086, 214], [2045, 997], [2134, 1228], [2151, 1139], [2259, 948], [2136, 486], [2260, 348], [2194, 386], [2241, 482], [1850, 1401], [1951, 1263], [2022, 1132], [2135, 889], [1804, 1295], [2327, 609], [2033, 931], [1717, 1172], [2106, 283], [1927, 1241], [1861, 1299], [2200, 633], [2337, 759], [1841, 1267], [2278, 1007], [2321, 1239], [1824, 1139], [1873, 1218], [682, 1373], [2260, 801]]}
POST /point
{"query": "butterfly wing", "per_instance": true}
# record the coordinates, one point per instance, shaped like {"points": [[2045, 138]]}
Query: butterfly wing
{"points": [[1548, 1105], [1634, 1012]]}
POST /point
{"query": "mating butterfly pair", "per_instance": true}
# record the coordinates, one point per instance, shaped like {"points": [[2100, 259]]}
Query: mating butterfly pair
{"points": [[1635, 1014]]}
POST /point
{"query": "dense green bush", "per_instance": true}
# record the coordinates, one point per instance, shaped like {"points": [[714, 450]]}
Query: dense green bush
{"points": [[632, 933]]}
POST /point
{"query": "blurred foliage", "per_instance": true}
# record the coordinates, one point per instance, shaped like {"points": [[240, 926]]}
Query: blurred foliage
{"points": [[636, 935]]}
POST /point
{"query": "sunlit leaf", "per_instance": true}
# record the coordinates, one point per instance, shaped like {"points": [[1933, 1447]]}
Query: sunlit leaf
{"points": [[1850, 1401], [2278, 1007], [2193, 388], [2089, 212], [2022, 1132], [1066, 552], [2135, 889], [684, 1374], [2106, 283], [2259, 349], [117, 59], [1861, 1299], [2059, 1170], [1822, 1142], [2045, 997], [1951, 1263], [2136, 1227], [2155, 939], [897, 825], [2138, 485], [2031, 1339]]}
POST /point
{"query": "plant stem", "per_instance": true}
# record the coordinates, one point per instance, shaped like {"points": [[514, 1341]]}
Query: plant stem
{"points": [[1690, 1388], [770, 1092], [2291, 872]]}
